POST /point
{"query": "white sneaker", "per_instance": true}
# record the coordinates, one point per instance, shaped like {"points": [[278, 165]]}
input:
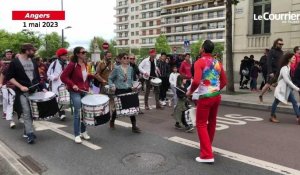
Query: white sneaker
{"points": [[12, 124], [21, 120], [62, 117], [78, 139], [85, 136], [198, 159], [163, 103]]}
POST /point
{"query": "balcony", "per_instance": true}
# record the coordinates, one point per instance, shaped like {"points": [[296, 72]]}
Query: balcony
{"points": [[123, 37], [121, 29], [202, 29], [148, 1], [122, 14], [174, 3], [258, 41], [121, 6], [147, 18], [190, 10], [121, 22], [150, 9], [190, 20]]}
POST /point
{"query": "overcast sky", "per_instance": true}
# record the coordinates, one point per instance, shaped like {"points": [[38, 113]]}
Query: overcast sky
{"points": [[88, 18]]}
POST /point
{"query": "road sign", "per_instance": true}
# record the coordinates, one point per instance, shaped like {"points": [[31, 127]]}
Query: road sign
{"points": [[105, 46], [186, 43]]}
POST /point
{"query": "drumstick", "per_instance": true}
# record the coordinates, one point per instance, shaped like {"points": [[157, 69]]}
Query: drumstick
{"points": [[34, 85], [179, 89]]}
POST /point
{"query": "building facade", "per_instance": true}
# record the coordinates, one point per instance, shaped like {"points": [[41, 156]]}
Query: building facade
{"points": [[252, 36], [139, 22]]}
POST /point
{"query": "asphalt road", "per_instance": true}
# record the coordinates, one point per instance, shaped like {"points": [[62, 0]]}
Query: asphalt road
{"points": [[153, 151]]}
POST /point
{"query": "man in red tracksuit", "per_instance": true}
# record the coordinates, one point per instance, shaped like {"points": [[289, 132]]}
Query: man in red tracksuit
{"points": [[209, 78]]}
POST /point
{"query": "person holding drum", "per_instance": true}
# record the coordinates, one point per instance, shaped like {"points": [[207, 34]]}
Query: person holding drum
{"points": [[77, 79], [209, 78], [23, 73], [121, 81], [149, 69], [7, 89], [54, 71]]}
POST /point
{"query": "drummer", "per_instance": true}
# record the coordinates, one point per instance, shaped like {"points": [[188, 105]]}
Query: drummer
{"points": [[77, 79], [54, 71], [7, 89], [120, 80], [23, 73], [103, 71]]}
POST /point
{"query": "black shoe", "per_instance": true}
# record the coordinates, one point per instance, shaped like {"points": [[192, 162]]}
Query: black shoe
{"points": [[246, 87], [30, 138], [189, 129], [241, 87], [136, 129]]}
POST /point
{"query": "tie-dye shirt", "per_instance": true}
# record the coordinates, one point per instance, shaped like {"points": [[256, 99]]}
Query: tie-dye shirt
{"points": [[209, 75]]}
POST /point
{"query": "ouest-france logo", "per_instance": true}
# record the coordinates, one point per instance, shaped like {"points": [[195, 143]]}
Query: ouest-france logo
{"points": [[284, 17]]}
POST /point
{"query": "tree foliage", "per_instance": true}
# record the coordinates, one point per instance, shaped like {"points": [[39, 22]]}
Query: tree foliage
{"points": [[195, 48], [14, 41], [162, 45], [50, 43]]}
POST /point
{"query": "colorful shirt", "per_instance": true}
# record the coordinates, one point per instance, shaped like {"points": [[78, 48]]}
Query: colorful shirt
{"points": [[209, 77]]}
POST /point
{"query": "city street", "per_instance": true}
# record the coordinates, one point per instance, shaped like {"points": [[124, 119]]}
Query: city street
{"points": [[245, 143]]}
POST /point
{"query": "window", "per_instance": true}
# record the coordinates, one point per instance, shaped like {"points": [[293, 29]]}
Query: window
{"points": [[185, 18], [132, 25], [126, 42], [178, 38], [132, 17], [211, 4], [144, 7], [132, 1], [150, 32], [132, 9], [195, 27], [136, 24], [178, 29], [195, 37], [137, 33], [261, 7], [137, 41], [132, 33], [158, 4], [144, 24], [210, 14], [143, 15], [157, 31], [212, 25], [144, 32], [220, 35], [158, 13], [143, 41], [220, 13], [136, 16], [151, 23], [132, 41], [210, 36], [136, 8], [185, 28], [120, 3], [221, 25], [150, 14], [158, 22], [151, 5]]}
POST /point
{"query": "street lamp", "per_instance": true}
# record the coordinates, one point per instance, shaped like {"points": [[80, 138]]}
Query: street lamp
{"points": [[62, 35]]}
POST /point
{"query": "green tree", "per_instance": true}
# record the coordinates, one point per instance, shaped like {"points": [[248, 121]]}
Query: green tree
{"points": [[229, 58], [14, 41], [195, 47], [162, 45], [99, 40], [112, 48], [219, 49], [50, 43], [144, 52]]}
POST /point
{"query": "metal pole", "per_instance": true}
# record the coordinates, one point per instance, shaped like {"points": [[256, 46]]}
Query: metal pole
{"points": [[62, 38], [62, 5]]}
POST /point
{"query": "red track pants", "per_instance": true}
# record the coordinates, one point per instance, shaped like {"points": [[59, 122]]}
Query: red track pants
{"points": [[206, 119]]}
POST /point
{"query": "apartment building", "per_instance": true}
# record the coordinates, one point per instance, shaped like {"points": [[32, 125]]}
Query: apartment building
{"points": [[139, 22]]}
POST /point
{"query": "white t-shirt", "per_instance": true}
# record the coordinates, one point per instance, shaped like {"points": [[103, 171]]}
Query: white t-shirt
{"points": [[173, 78], [84, 74]]}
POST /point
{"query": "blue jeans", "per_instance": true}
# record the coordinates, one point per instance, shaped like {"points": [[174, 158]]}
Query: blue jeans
{"points": [[290, 99], [76, 101]]}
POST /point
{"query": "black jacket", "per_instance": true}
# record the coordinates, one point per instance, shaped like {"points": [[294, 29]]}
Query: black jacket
{"points": [[136, 71], [296, 78], [273, 60], [263, 63], [17, 72], [181, 94]]}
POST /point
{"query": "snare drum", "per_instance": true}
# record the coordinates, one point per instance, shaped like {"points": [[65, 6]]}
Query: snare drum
{"points": [[63, 95], [127, 104], [95, 109], [43, 104], [108, 90], [155, 82], [190, 116]]}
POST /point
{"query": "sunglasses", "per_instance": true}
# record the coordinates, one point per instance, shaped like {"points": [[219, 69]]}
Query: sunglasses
{"points": [[126, 58], [132, 58], [83, 52], [281, 44]]}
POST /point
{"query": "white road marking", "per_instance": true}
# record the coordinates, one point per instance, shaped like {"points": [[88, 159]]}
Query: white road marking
{"points": [[43, 125], [241, 158], [124, 124]]}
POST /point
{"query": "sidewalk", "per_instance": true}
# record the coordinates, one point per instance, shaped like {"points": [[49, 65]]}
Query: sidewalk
{"points": [[247, 99]]}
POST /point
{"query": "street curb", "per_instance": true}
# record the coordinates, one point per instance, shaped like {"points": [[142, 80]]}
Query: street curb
{"points": [[265, 107], [13, 160]]}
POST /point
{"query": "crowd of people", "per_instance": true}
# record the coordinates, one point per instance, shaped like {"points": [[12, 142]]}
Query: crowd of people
{"points": [[31, 87]]}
